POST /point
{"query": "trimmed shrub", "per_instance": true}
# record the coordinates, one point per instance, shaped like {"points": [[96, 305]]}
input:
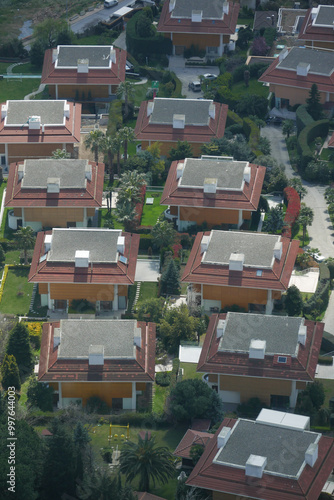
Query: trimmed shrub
{"points": [[252, 132], [292, 199], [155, 44], [325, 360], [97, 405], [319, 300], [163, 379], [146, 241], [307, 135], [233, 119], [303, 118]]}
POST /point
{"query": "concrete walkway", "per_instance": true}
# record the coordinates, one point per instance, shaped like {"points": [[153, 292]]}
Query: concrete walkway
{"points": [[32, 94], [147, 270], [306, 282]]}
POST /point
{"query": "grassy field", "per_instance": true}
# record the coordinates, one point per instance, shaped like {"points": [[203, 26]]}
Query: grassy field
{"points": [[189, 371], [152, 212], [104, 217], [15, 89], [17, 292], [329, 390], [27, 69], [160, 395], [239, 89], [12, 257], [148, 291]]}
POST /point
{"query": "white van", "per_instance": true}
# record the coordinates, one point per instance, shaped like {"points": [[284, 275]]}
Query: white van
{"points": [[110, 3]]}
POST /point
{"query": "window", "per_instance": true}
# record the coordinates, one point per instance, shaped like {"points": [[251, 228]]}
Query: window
{"points": [[3, 160], [212, 50], [259, 272], [281, 359]]}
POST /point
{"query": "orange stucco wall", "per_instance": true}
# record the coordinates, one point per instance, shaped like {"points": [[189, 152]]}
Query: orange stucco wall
{"points": [[295, 95], [70, 91], [233, 295], [106, 390], [20, 152], [210, 215], [54, 217], [320, 45], [92, 293], [202, 41], [165, 147]]}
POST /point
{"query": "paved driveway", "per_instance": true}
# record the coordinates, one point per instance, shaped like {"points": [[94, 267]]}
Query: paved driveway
{"points": [[147, 270], [189, 74]]}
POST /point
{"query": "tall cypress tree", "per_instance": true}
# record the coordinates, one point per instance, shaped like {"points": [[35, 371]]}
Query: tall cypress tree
{"points": [[19, 346], [170, 280], [314, 106], [10, 376]]}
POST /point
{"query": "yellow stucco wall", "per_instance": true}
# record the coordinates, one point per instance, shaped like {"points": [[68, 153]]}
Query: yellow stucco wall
{"points": [[20, 152], [233, 295]]}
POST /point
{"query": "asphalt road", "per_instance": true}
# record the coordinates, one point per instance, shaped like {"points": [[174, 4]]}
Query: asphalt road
{"points": [[92, 18], [188, 74]]}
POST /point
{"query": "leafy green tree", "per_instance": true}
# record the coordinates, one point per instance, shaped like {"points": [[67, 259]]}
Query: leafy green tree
{"points": [[60, 154], [10, 376], [127, 215], [293, 301], [244, 37], [163, 234], [100, 485], [148, 461], [116, 146], [37, 52], [170, 280], [108, 148], [151, 310], [314, 107], [264, 145], [125, 90], [81, 440], [48, 31], [26, 240], [196, 451], [144, 27], [297, 184], [127, 135], [183, 150], [177, 325], [316, 391], [129, 195], [19, 346], [287, 128], [305, 218], [94, 142], [193, 398], [40, 395], [251, 104], [274, 220]]}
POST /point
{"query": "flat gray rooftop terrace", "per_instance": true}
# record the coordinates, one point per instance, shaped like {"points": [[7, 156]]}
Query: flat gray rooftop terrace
{"points": [[325, 16], [70, 172], [98, 56], [51, 112], [196, 111], [229, 174], [211, 9], [117, 337], [284, 448], [258, 248], [279, 332], [320, 61], [101, 244]]}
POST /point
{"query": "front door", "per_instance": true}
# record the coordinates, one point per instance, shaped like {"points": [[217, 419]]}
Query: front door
{"points": [[106, 305]]}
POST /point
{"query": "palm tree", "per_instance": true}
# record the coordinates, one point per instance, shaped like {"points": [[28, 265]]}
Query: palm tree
{"points": [[26, 240], [146, 460], [117, 143], [60, 154], [125, 89], [287, 128], [297, 184], [127, 134], [305, 218], [129, 195], [94, 142], [108, 149]]}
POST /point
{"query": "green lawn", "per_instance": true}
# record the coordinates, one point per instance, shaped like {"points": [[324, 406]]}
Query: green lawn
{"points": [[329, 390], [245, 20], [326, 153], [148, 291], [17, 292], [140, 92], [5, 231], [152, 212], [15, 89], [189, 371], [3, 67], [12, 257], [239, 89], [104, 217], [297, 234], [159, 399], [27, 69]]}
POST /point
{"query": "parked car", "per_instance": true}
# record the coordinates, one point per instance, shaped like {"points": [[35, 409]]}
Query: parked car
{"points": [[274, 120], [195, 86], [318, 257], [210, 76], [110, 3]]}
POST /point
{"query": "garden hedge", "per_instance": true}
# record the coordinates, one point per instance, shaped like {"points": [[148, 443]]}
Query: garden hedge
{"points": [[321, 296], [293, 207], [233, 119], [146, 241], [252, 132], [307, 135], [303, 118], [156, 44]]}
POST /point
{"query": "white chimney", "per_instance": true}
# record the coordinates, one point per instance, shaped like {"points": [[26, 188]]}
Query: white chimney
{"points": [[205, 243], [255, 466], [283, 55], [179, 170], [150, 106], [113, 55], [81, 258], [196, 16], [4, 110], [210, 185], [236, 262], [302, 333], [221, 328], [121, 244], [47, 242], [212, 110], [66, 109], [56, 337], [20, 172], [311, 454], [179, 121], [257, 349], [96, 355], [223, 437], [88, 172], [83, 65], [137, 337], [171, 5], [53, 185], [34, 122], [247, 174], [54, 55], [225, 7], [314, 12], [278, 250], [303, 69]]}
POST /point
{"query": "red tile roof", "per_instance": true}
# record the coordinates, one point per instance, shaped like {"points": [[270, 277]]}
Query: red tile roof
{"points": [[141, 369], [62, 272], [302, 367], [225, 26], [331, 141], [68, 133], [74, 197], [289, 78], [143, 495], [276, 278], [248, 199], [104, 76], [191, 438], [145, 131], [311, 32], [223, 478]]}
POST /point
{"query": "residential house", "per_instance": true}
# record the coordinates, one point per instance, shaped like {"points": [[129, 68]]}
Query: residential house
{"points": [[34, 129], [205, 25], [317, 28], [249, 270], [190, 439], [274, 457], [293, 73], [97, 265], [168, 121], [111, 359], [265, 19], [53, 193], [215, 190], [85, 73], [255, 355]]}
